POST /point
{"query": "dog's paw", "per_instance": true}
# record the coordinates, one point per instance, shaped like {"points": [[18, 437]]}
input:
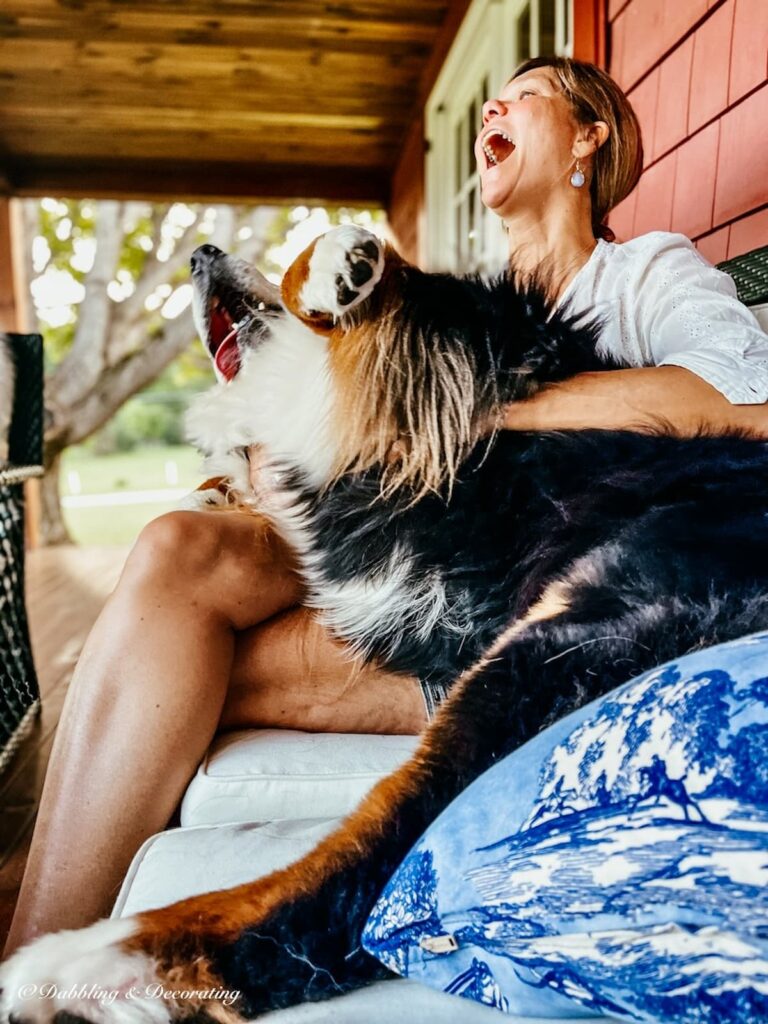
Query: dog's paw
{"points": [[88, 974], [345, 267]]}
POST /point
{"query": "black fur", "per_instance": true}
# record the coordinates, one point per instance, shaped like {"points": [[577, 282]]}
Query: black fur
{"points": [[672, 539], [683, 513]]}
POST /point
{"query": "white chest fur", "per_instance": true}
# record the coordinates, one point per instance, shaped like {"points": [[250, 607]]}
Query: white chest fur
{"points": [[281, 400]]}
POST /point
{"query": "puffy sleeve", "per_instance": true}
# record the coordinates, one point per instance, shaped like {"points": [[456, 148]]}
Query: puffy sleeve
{"points": [[689, 316]]}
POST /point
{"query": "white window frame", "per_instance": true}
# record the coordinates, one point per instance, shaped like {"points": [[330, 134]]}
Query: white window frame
{"points": [[486, 45]]}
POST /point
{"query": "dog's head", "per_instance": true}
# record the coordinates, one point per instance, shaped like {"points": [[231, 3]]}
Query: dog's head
{"points": [[232, 305], [403, 400]]}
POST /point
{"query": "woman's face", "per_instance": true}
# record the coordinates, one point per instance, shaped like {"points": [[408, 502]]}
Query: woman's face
{"points": [[524, 150]]}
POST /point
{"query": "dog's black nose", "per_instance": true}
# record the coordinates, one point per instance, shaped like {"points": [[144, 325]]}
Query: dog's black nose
{"points": [[203, 256]]}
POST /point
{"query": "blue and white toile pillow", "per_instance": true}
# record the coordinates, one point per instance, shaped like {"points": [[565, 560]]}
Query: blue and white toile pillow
{"points": [[617, 864]]}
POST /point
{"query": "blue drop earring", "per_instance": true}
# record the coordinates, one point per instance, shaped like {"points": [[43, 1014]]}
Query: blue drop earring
{"points": [[577, 178]]}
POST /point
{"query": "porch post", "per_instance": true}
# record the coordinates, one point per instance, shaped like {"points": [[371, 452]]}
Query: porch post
{"points": [[590, 19], [13, 294], [14, 316]]}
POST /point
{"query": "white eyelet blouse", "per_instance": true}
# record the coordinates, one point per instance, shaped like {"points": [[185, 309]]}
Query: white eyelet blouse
{"points": [[663, 304]]}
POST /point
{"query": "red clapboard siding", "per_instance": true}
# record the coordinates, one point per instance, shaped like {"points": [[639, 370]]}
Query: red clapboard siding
{"points": [[749, 53], [696, 72], [641, 22], [653, 210], [711, 67], [714, 247], [645, 100], [674, 84], [742, 166], [652, 28], [695, 177], [623, 216], [748, 233]]}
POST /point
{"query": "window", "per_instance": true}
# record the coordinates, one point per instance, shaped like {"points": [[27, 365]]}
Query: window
{"points": [[496, 35], [523, 46]]}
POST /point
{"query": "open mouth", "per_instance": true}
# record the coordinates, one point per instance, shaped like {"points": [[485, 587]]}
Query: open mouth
{"points": [[229, 316], [497, 146], [222, 338], [233, 304]]}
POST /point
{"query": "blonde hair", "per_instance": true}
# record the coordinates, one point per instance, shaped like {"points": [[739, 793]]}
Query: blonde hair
{"points": [[594, 96]]}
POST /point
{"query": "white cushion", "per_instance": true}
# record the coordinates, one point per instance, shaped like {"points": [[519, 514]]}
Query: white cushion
{"points": [[270, 774], [396, 1002], [187, 861], [761, 312]]}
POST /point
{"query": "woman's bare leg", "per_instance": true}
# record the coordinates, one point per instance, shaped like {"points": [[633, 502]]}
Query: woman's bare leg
{"points": [[289, 673], [143, 705], [149, 690]]}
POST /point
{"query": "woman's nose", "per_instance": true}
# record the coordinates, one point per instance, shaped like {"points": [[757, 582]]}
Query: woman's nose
{"points": [[493, 108]]}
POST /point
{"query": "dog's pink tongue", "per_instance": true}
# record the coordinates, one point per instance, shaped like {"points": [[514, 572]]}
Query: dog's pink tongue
{"points": [[227, 356]]}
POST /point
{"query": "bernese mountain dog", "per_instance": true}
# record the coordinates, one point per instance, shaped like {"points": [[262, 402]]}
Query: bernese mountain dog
{"points": [[527, 572]]}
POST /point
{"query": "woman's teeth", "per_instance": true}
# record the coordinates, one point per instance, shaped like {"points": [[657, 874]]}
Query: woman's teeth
{"points": [[490, 154]]}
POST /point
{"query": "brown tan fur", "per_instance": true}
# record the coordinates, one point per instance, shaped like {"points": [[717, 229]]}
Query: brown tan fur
{"points": [[215, 483], [421, 427], [222, 916]]}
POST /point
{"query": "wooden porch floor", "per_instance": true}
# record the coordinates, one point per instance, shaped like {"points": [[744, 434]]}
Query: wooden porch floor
{"points": [[66, 587]]}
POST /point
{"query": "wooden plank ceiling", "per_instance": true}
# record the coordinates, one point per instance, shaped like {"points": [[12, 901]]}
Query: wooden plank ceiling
{"points": [[296, 99]]}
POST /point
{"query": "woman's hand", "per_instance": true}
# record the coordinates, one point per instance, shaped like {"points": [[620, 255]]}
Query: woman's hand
{"points": [[255, 466], [263, 479], [667, 398]]}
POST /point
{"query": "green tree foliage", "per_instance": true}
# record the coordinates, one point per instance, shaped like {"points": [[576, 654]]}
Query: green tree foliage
{"points": [[120, 361]]}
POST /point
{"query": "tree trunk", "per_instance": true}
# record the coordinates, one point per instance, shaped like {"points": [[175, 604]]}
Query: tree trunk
{"points": [[53, 529], [112, 357]]}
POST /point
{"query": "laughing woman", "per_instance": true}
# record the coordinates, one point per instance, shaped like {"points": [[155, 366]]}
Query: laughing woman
{"points": [[205, 630]]}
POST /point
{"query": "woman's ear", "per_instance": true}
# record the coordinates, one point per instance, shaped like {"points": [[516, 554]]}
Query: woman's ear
{"points": [[590, 139]]}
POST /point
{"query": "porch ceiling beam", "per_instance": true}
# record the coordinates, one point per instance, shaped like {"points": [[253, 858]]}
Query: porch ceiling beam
{"points": [[214, 17], [389, 28], [216, 99], [213, 182]]}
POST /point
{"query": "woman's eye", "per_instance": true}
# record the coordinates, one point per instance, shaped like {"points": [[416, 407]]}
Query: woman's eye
{"points": [[526, 92]]}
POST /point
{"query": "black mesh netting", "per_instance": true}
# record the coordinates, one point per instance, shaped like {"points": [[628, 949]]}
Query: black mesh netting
{"points": [[18, 683], [750, 272], [19, 693], [26, 434]]}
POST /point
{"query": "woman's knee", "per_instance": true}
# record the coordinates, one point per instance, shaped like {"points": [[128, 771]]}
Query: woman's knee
{"points": [[227, 562], [177, 546]]}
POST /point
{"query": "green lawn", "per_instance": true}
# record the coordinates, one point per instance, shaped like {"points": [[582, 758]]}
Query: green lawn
{"points": [[140, 470], [144, 469], [120, 525]]}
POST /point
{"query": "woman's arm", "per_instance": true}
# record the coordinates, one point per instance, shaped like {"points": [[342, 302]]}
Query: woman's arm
{"points": [[637, 399], [681, 314]]}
